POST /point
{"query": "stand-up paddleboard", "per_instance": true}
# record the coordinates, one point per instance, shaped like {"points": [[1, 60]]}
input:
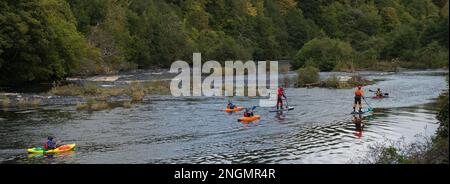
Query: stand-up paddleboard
{"points": [[284, 109], [362, 112]]}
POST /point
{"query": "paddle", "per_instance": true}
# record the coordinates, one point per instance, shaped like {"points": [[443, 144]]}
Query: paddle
{"points": [[370, 108], [287, 103]]}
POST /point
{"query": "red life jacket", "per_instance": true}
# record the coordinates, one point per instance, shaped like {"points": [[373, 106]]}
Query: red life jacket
{"points": [[280, 92], [45, 146]]}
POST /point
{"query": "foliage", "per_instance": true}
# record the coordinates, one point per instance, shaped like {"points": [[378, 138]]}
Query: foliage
{"points": [[324, 53], [308, 75], [48, 40]]}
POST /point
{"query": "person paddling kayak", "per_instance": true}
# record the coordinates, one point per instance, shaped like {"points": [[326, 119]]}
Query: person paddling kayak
{"points": [[280, 94], [230, 105], [359, 93], [378, 93], [248, 113], [50, 144]]}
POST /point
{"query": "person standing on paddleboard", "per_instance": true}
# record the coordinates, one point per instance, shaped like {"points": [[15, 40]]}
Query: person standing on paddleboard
{"points": [[279, 99], [359, 93]]}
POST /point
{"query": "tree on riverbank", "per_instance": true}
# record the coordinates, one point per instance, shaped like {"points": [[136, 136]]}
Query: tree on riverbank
{"points": [[47, 40]]}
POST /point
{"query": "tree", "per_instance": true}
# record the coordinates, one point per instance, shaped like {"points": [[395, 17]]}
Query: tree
{"points": [[299, 29], [323, 53], [403, 44], [40, 42], [390, 18]]}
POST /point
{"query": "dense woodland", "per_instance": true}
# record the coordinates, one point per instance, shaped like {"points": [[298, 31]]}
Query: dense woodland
{"points": [[48, 40]]}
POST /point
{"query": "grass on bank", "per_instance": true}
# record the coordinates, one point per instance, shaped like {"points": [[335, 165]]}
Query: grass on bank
{"points": [[98, 105], [27, 102], [98, 95], [5, 102], [135, 89], [310, 77]]}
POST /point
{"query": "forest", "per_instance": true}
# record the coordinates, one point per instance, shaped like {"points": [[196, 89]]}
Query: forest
{"points": [[49, 40]]}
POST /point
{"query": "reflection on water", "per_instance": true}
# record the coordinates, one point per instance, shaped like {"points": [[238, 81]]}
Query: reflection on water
{"points": [[165, 129]]}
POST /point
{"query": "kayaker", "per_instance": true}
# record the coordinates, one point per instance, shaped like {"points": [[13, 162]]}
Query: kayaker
{"points": [[247, 113], [280, 94], [378, 93], [359, 93], [230, 105], [50, 144]]}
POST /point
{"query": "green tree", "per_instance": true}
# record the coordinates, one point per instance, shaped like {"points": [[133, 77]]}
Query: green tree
{"points": [[39, 42], [324, 53]]}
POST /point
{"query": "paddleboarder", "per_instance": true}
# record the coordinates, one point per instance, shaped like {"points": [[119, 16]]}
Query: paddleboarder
{"points": [[280, 94], [359, 93]]}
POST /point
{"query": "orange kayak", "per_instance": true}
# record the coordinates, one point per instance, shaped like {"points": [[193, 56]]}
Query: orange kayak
{"points": [[235, 109], [253, 118]]}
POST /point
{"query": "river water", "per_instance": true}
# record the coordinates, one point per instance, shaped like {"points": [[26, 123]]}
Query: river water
{"points": [[166, 129]]}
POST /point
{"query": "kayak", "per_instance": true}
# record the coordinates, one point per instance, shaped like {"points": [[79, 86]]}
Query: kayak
{"points": [[285, 109], [253, 118], [235, 109], [59, 149]]}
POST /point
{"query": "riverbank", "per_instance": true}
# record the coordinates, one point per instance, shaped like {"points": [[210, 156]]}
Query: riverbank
{"points": [[432, 149]]}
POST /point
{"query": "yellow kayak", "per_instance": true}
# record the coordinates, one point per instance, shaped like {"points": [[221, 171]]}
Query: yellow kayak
{"points": [[59, 149]]}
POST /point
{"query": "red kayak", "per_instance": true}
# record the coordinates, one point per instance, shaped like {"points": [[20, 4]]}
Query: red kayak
{"points": [[379, 97]]}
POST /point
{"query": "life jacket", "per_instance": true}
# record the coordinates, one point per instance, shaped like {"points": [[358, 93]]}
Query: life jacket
{"points": [[378, 93], [280, 92], [359, 92], [49, 145]]}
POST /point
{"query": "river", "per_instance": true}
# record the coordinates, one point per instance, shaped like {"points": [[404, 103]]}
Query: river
{"points": [[166, 129]]}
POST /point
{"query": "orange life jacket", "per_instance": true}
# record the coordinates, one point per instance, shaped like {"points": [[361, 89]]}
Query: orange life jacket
{"points": [[359, 92]]}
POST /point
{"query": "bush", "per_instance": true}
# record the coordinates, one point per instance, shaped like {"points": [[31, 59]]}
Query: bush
{"points": [[332, 82], [358, 80], [325, 53], [433, 56], [344, 67], [93, 105], [308, 75], [67, 90], [5, 102]]}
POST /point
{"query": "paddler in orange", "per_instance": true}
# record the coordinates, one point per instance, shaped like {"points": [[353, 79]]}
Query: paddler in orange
{"points": [[359, 93]]}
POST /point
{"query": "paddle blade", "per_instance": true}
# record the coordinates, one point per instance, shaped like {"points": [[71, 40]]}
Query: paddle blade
{"points": [[254, 107], [370, 109]]}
